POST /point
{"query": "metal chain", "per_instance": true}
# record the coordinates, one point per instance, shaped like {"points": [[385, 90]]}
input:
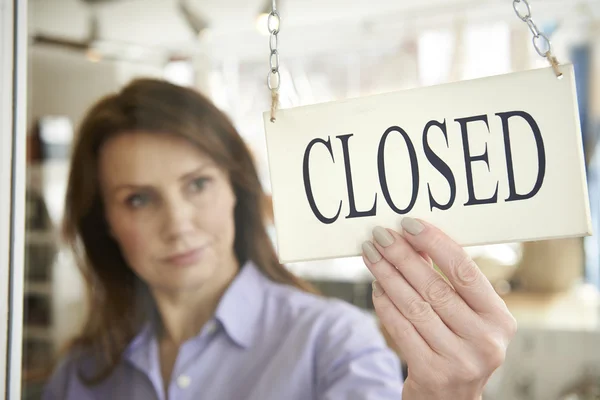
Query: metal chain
{"points": [[541, 43], [273, 24]]}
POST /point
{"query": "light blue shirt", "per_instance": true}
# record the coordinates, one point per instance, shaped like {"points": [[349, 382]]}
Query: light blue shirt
{"points": [[267, 341]]}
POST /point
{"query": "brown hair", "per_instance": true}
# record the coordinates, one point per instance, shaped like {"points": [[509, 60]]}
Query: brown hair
{"points": [[119, 301]]}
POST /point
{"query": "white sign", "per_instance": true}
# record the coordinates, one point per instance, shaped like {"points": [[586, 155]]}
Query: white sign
{"points": [[490, 160]]}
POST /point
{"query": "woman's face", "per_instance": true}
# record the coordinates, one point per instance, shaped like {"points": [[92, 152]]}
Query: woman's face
{"points": [[169, 207]]}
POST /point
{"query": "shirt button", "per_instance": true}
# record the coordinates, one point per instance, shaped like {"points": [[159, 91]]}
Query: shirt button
{"points": [[183, 381]]}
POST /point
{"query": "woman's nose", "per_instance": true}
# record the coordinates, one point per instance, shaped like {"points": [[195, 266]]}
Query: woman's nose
{"points": [[179, 215]]}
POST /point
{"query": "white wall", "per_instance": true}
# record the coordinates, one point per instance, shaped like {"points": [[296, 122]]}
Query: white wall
{"points": [[64, 82]]}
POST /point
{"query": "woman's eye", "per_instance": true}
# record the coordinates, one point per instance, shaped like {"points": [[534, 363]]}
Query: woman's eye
{"points": [[137, 200], [199, 184]]}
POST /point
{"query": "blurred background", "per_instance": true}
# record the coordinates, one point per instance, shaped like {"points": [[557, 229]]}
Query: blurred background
{"points": [[329, 50]]}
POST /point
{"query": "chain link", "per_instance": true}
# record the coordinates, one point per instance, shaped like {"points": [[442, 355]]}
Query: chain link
{"points": [[533, 27], [273, 23], [541, 43]]}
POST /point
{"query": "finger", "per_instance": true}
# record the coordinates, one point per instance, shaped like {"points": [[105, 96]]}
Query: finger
{"points": [[427, 282], [411, 344], [462, 272], [426, 257], [412, 306]]}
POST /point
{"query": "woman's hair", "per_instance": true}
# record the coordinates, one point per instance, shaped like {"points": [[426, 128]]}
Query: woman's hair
{"points": [[119, 302]]}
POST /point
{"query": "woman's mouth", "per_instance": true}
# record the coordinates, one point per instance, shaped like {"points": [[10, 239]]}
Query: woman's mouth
{"points": [[185, 258]]}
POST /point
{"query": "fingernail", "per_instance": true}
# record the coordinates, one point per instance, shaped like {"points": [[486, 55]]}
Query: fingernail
{"points": [[382, 236], [377, 289], [412, 226], [371, 252]]}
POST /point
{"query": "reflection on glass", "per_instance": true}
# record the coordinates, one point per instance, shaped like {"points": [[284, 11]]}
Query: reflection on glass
{"points": [[82, 51]]}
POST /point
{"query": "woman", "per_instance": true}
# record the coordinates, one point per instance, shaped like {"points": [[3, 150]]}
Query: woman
{"points": [[188, 301]]}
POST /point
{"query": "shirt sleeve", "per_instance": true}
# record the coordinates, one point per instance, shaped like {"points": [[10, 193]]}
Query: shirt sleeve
{"points": [[353, 359]]}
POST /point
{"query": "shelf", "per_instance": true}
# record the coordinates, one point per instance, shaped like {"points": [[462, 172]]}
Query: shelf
{"points": [[577, 309], [41, 237], [45, 185], [39, 375], [38, 288], [40, 333]]}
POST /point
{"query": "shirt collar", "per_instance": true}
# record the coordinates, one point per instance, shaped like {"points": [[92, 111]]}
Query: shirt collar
{"points": [[241, 306], [142, 351], [238, 311]]}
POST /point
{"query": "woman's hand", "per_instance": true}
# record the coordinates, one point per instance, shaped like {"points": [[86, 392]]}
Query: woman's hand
{"points": [[452, 336]]}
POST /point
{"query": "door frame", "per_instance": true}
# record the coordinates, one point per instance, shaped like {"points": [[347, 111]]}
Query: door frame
{"points": [[13, 141]]}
